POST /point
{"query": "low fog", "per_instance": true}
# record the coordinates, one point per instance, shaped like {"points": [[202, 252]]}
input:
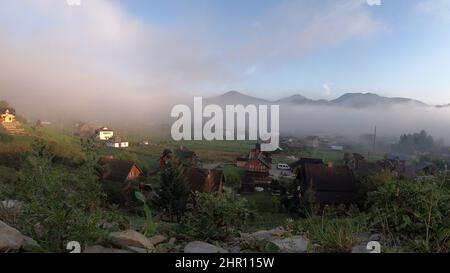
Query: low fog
{"points": [[390, 121]]}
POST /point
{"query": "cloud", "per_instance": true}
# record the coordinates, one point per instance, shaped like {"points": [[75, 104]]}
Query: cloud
{"points": [[328, 90], [439, 9], [97, 59]]}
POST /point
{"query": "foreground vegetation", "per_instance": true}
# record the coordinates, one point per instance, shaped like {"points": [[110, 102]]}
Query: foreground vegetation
{"points": [[54, 179]]}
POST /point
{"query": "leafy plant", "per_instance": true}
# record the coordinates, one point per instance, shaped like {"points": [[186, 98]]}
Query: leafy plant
{"points": [[149, 228], [217, 216], [415, 215]]}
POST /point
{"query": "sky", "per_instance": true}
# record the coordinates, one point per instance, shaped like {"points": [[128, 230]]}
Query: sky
{"points": [[111, 51]]}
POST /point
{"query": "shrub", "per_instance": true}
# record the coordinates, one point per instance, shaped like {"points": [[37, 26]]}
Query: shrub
{"points": [[59, 205], [412, 214], [217, 216], [233, 181], [331, 230]]}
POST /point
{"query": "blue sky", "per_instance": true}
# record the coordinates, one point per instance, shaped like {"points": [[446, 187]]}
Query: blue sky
{"points": [[266, 48], [409, 55]]}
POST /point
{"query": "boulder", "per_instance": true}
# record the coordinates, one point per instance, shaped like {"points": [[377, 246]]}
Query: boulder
{"points": [[360, 249], [268, 235], [10, 238], [158, 239], [294, 244], [202, 247], [131, 238]]}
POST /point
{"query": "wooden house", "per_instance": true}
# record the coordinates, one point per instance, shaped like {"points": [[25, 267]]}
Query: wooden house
{"points": [[327, 185], [117, 176], [204, 180], [258, 164]]}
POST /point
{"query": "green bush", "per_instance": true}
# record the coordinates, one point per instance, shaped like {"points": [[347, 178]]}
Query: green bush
{"points": [[59, 205], [217, 216], [413, 215]]}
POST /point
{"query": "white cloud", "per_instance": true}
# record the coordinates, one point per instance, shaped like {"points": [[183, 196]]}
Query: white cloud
{"points": [[68, 58], [328, 90]]}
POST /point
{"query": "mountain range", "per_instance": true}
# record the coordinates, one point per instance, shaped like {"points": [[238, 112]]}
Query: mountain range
{"points": [[348, 100]]}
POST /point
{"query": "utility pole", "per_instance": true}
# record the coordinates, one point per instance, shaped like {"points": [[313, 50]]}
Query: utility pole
{"points": [[374, 140]]}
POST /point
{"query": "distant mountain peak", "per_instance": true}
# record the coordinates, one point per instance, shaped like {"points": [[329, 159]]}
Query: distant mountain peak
{"points": [[350, 100]]}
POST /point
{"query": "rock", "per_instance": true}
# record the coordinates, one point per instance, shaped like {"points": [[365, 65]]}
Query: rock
{"points": [[10, 238], [158, 239], [268, 235], [375, 237], [138, 250], [202, 247], [101, 249], [295, 244], [235, 249], [360, 249], [131, 238], [361, 237], [172, 240]]}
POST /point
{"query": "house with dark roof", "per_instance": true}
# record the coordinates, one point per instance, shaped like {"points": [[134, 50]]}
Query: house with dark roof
{"points": [[204, 180], [327, 185], [299, 164], [186, 156], [117, 176]]}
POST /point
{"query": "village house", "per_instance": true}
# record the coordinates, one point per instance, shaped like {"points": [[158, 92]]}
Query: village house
{"points": [[7, 116], [104, 133], [9, 122], [205, 181], [299, 165], [323, 184], [258, 164], [200, 179], [257, 167], [117, 176], [186, 157], [117, 142]]}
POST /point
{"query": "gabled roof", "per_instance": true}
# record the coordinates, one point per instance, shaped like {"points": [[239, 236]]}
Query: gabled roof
{"points": [[306, 160], [103, 129], [203, 180], [331, 184], [116, 169], [11, 110]]}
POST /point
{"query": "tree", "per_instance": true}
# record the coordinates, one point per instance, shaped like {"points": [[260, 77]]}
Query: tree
{"points": [[175, 190], [4, 104], [233, 181]]}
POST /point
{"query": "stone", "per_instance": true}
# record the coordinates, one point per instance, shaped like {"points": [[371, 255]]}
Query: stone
{"points": [[361, 237], [158, 239], [294, 244], [10, 238], [101, 249], [131, 238], [172, 240], [202, 247], [268, 235], [138, 250], [360, 249], [375, 237]]}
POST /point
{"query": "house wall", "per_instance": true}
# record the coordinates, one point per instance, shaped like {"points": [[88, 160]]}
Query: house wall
{"points": [[8, 118], [105, 135], [134, 173]]}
